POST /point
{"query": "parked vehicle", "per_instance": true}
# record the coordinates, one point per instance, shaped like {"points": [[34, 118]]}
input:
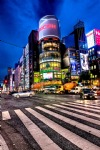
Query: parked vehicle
{"points": [[24, 94], [87, 93]]}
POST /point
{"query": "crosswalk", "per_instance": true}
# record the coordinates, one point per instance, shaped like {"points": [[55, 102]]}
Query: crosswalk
{"points": [[67, 125]]}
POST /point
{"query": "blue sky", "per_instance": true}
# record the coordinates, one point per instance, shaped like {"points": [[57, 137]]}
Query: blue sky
{"points": [[19, 17]]}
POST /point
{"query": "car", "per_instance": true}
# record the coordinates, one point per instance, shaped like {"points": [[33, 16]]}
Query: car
{"points": [[76, 90], [98, 92], [46, 91], [87, 93], [24, 94], [12, 92]]}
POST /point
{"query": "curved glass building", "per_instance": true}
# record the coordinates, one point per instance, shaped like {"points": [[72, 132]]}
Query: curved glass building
{"points": [[49, 48]]}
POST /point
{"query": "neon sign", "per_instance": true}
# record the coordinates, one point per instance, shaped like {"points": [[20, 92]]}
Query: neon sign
{"points": [[90, 39], [47, 26], [97, 36]]}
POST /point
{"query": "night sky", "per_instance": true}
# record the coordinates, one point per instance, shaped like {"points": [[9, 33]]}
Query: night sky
{"points": [[19, 17]]}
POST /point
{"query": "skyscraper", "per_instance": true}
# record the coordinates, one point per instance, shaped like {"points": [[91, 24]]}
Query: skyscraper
{"points": [[79, 34]]}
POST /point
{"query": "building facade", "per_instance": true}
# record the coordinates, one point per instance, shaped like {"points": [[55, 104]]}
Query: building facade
{"points": [[93, 42], [33, 54], [49, 49]]}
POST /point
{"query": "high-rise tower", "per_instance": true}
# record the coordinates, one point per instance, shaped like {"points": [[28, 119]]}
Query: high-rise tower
{"points": [[49, 48]]}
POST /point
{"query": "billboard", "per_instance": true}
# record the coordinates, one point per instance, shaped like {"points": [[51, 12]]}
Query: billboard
{"points": [[90, 39], [84, 61], [97, 36], [73, 66], [48, 75], [93, 38], [49, 27]]}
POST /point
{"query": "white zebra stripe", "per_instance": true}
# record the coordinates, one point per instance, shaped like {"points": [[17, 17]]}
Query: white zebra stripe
{"points": [[83, 104], [3, 145], [75, 139], [72, 122], [88, 102], [68, 104], [78, 110], [36, 133], [75, 115], [5, 115]]}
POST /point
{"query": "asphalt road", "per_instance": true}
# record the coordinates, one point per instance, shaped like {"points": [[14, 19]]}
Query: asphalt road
{"points": [[46, 122]]}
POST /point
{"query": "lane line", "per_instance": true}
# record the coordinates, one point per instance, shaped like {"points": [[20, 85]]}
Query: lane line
{"points": [[72, 137], [42, 139]]}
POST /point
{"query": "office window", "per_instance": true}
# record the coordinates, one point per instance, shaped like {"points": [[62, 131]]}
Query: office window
{"points": [[94, 66]]}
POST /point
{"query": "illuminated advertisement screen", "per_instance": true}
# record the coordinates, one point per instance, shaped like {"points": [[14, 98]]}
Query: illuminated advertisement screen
{"points": [[97, 36], [49, 28], [73, 66], [36, 77], [84, 61], [48, 75], [90, 39]]}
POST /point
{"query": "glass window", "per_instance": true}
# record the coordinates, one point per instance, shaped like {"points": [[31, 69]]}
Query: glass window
{"points": [[94, 66], [91, 67]]}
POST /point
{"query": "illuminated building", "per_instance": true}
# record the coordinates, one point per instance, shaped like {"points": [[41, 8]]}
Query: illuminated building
{"points": [[49, 48], [25, 68], [75, 44], [93, 42], [33, 56]]}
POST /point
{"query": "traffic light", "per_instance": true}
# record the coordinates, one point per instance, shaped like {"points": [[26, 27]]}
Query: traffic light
{"points": [[5, 81]]}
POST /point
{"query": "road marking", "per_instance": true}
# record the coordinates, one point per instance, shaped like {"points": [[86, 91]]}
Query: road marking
{"points": [[3, 145], [76, 115], [84, 105], [42, 139], [72, 137], [5, 115], [81, 111], [68, 104], [72, 122]]}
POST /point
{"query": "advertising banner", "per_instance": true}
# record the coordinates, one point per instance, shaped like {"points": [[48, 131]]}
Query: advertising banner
{"points": [[97, 36], [84, 61], [49, 28], [73, 66], [48, 75], [90, 39]]}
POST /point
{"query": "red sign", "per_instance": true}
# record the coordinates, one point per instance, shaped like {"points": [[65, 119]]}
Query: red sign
{"points": [[46, 26], [97, 37]]}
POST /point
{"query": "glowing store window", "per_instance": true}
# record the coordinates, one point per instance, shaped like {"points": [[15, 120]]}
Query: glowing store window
{"points": [[94, 66], [91, 67]]}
